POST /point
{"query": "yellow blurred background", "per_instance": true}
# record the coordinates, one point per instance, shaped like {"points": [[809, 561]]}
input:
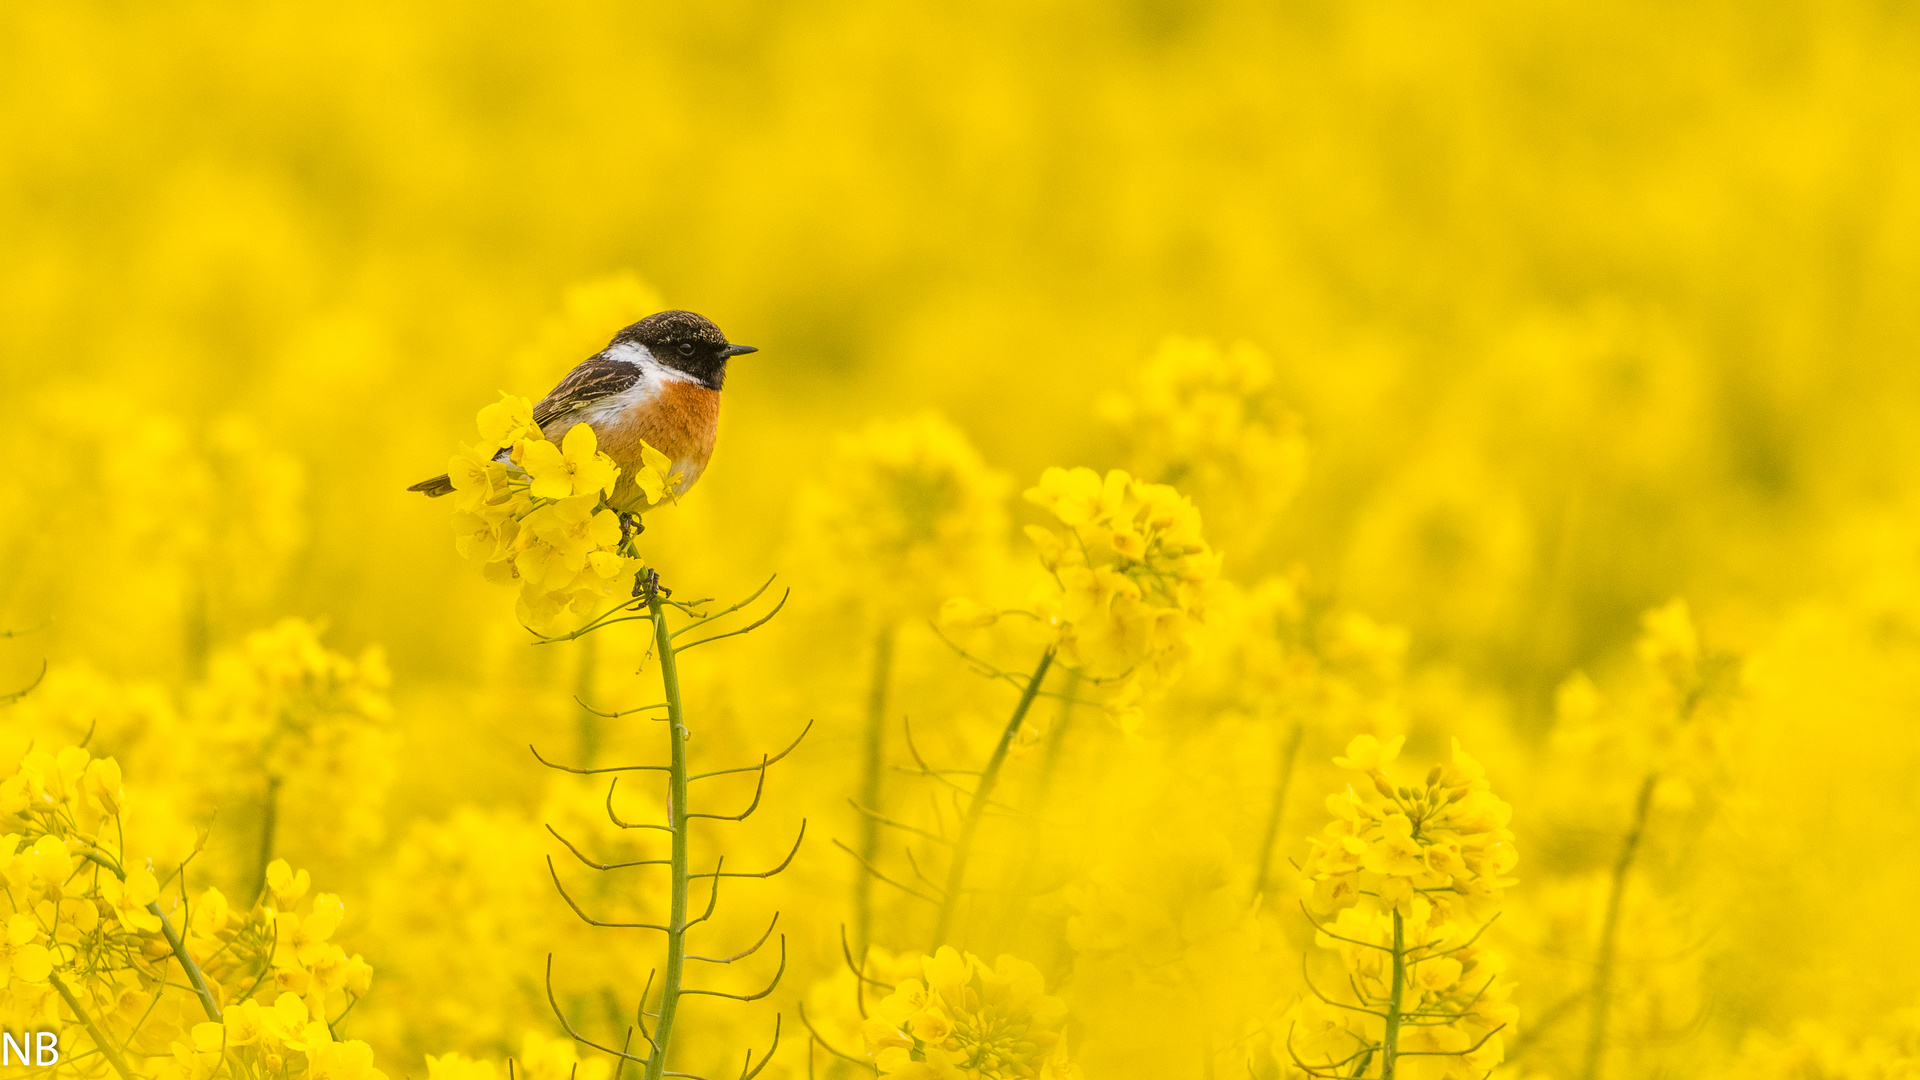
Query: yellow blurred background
{"points": [[1578, 308]]}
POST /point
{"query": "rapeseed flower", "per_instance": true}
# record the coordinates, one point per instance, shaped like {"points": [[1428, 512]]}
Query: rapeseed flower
{"points": [[286, 726], [964, 1019], [90, 940], [1208, 421], [1406, 879], [903, 514], [1569, 351], [1445, 842], [529, 511], [1128, 574]]}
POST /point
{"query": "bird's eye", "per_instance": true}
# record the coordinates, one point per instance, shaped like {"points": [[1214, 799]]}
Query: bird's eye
{"points": [[686, 348]]}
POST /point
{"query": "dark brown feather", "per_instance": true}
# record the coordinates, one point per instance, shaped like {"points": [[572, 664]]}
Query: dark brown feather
{"points": [[435, 487], [597, 377]]}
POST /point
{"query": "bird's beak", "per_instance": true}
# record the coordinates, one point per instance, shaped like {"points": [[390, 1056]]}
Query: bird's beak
{"points": [[736, 350]]}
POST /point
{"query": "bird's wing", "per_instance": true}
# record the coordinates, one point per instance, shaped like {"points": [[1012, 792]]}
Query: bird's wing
{"points": [[596, 378]]}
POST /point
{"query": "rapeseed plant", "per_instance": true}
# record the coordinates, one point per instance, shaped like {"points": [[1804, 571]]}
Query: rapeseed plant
{"points": [[531, 512], [562, 522], [963, 1018], [161, 987], [1125, 587], [906, 515], [1126, 584], [1405, 881], [1469, 355], [301, 732]]}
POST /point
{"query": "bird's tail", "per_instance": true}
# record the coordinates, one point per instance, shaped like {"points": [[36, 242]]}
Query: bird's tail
{"points": [[435, 487]]}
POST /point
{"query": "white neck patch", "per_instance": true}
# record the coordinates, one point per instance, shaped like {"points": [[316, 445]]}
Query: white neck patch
{"points": [[649, 365]]}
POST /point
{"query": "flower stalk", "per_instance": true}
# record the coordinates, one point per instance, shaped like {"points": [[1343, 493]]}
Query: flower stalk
{"points": [[977, 806], [1413, 876], [107, 1048], [178, 944], [1056, 740], [651, 600], [194, 975], [677, 823], [589, 722], [1283, 785], [1390, 1044], [1602, 993]]}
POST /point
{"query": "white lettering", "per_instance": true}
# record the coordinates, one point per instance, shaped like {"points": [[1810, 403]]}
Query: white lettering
{"points": [[7, 1044], [49, 1050]]}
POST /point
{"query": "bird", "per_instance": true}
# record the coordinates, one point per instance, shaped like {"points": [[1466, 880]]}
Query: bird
{"points": [[657, 381]]}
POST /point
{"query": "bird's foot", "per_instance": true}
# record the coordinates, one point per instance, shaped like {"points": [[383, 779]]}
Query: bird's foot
{"points": [[646, 586], [630, 527]]}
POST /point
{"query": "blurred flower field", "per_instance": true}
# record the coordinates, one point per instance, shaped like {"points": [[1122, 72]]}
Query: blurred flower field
{"points": [[1309, 540]]}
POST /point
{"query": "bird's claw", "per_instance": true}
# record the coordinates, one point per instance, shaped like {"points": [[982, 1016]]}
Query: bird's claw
{"points": [[646, 586], [630, 527]]}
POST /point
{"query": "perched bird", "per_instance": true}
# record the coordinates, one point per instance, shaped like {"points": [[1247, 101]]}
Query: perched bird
{"points": [[659, 381]]}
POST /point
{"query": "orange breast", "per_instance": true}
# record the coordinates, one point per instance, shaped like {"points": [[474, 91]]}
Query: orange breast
{"points": [[681, 421]]}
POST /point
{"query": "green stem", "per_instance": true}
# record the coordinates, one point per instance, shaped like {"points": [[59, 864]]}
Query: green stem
{"points": [[1610, 932], [1056, 740], [107, 1048], [269, 824], [677, 822], [870, 776], [583, 692], [1390, 1042], [1019, 896], [1289, 754], [976, 809], [199, 981], [207, 1004]]}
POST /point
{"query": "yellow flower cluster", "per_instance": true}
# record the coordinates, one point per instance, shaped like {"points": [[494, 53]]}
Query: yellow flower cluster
{"points": [[1129, 573], [1415, 873], [314, 724], [258, 1041], [907, 514], [282, 735], [1413, 849], [1676, 726], [1694, 690], [305, 960], [88, 943], [529, 511], [64, 912], [1209, 421], [485, 864], [968, 1021], [1281, 653]]}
